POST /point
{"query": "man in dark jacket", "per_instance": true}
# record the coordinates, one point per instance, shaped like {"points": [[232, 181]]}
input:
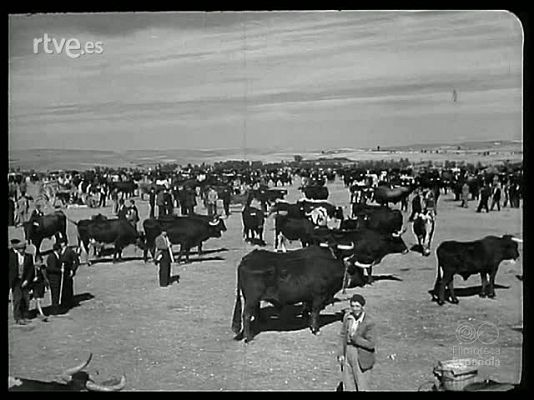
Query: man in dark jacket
{"points": [[160, 202], [164, 257], [417, 206], [356, 346], [496, 197], [21, 272], [484, 197], [61, 266], [152, 202]]}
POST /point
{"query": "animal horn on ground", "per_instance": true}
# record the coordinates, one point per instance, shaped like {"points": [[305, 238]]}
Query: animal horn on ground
{"points": [[67, 374], [95, 387]]}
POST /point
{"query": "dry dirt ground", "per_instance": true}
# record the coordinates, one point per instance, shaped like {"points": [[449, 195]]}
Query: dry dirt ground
{"points": [[179, 338]]}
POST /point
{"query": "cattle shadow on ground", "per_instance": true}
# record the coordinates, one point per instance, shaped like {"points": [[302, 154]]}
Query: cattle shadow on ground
{"points": [[110, 260], [199, 259], [222, 249], [77, 300], [290, 318], [467, 291], [360, 283]]}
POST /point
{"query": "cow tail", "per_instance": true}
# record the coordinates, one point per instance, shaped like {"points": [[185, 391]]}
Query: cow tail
{"points": [[237, 317]]}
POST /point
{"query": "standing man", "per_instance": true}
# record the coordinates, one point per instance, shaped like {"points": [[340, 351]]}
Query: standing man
{"points": [[115, 198], [160, 202], [169, 206], [226, 198], [484, 197], [11, 211], [465, 195], [70, 262], [21, 272], [190, 200], [164, 257], [103, 195], [211, 201], [417, 206], [122, 210], [133, 214], [506, 192], [38, 286], [496, 197], [152, 201], [356, 347], [55, 272]]}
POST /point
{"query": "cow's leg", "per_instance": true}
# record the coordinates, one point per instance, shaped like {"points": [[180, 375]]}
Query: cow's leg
{"points": [[306, 309], [491, 288], [370, 279], [314, 317], [447, 276], [248, 312], [484, 282], [199, 249], [448, 279]]}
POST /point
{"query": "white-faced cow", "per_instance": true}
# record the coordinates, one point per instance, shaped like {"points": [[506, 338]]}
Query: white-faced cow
{"points": [[423, 228]]}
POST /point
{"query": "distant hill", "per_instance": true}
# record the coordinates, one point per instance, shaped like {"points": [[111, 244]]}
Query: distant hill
{"points": [[59, 159]]}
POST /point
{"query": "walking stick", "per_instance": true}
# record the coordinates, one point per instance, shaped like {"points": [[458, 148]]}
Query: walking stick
{"points": [[61, 284]]}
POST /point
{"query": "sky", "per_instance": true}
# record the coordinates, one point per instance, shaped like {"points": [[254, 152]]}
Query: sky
{"points": [[285, 80]]}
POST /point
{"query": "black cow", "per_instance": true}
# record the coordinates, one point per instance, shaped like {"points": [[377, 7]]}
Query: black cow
{"points": [[101, 230], [292, 210], [370, 247], [384, 195], [46, 226], [423, 228], [312, 275], [189, 231], [315, 192], [292, 229], [266, 196], [378, 218], [126, 187], [253, 222], [74, 380], [481, 256]]}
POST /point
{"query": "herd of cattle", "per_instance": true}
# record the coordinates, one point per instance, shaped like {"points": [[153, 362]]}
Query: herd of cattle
{"points": [[337, 251]]}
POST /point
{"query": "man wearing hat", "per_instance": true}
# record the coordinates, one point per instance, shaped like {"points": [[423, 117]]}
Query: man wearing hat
{"points": [[20, 275], [356, 348], [164, 257], [55, 272]]}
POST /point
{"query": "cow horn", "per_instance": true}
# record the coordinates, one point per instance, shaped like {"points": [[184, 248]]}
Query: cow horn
{"points": [[517, 239], [214, 222], [90, 385], [345, 246], [356, 263], [323, 244], [66, 375]]}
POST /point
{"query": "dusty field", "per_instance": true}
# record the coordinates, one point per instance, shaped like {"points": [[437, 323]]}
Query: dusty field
{"points": [[179, 338]]}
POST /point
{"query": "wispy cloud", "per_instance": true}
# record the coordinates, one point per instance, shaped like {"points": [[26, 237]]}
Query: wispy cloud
{"points": [[182, 76]]}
